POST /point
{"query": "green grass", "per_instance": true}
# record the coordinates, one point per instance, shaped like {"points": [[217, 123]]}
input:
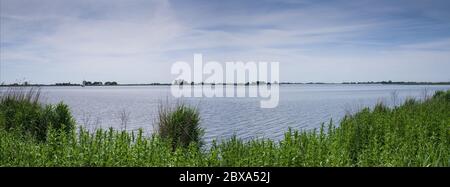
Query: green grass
{"points": [[180, 125], [416, 133], [21, 111]]}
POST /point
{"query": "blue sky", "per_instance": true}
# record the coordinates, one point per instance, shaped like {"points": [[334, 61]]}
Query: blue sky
{"points": [[137, 41]]}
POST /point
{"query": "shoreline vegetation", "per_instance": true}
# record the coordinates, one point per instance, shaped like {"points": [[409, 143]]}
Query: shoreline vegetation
{"points": [[416, 133], [114, 83]]}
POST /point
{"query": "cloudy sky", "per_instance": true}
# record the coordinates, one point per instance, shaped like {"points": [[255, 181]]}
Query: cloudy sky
{"points": [[137, 41]]}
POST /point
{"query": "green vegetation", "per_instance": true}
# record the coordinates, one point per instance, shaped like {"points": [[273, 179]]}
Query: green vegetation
{"points": [[414, 134], [179, 125], [21, 111]]}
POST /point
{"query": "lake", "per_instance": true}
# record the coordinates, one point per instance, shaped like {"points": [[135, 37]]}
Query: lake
{"points": [[303, 106]]}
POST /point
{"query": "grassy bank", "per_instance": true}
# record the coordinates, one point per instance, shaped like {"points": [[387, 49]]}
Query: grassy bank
{"points": [[416, 133]]}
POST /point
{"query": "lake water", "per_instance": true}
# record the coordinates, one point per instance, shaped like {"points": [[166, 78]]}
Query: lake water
{"points": [[300, 107]]}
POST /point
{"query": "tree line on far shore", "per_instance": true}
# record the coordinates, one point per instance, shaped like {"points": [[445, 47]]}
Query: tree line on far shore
{"points": [[89, 83]]}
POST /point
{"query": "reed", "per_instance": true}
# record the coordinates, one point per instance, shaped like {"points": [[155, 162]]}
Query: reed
{"points": [[179, 124], [21, 110], [416, 133]]}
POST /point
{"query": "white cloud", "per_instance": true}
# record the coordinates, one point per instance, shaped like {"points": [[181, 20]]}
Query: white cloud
{"points": [[136, 41]]}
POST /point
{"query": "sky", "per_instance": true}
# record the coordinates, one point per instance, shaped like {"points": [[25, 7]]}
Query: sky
{"points": [[137, 41]]}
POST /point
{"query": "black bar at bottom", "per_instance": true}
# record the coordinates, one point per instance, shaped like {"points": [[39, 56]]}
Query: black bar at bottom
{"points": [[227, 175]]}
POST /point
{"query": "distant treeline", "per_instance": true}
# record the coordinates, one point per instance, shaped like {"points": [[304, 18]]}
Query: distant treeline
{"points": [[89, 83], [114, 83], [375, 82], [183, 82], [84, 83], [30, 84]]}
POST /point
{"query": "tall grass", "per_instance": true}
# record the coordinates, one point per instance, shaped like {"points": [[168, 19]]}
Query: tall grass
{"points": [[21, 110], [417, 133], [179, 124]]}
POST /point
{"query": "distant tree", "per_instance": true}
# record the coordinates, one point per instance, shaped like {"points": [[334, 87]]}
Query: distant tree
{"points": [[110, 83], [87, 83], [97, 83]]}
